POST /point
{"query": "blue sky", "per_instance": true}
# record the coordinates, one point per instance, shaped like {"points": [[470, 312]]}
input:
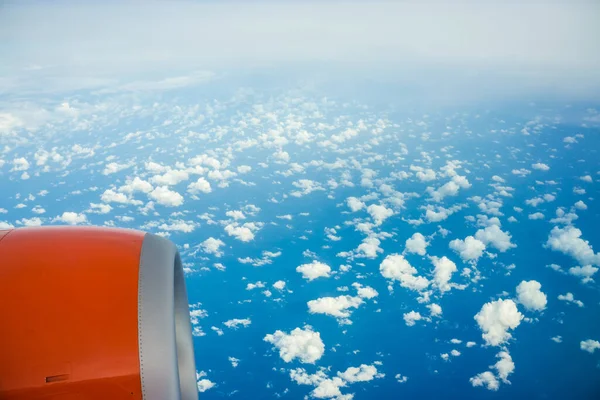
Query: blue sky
{"points": [[374, 200]]}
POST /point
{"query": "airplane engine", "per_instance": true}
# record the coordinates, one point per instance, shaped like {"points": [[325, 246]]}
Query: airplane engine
{"points": [[93, 313]]}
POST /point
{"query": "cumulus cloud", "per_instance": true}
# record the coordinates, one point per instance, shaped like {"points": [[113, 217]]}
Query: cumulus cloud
{"points": [[202, 383], [200, 186], [568, 297], [469, 249], [236, 322], [450, 188], [212, 246], [136, 185], [363, 373], [568, 240], [540, 167], [585, 273], [245, 232], [434, 309], [314, 270], [339, 307], [442, 272], [379, 213], [410, 318], [496, 318], [417, 244], [304, 344], [589, 345], [504, 367], [530, 295], [396, 267], [494, 236], [355, 204], [486, 379], [369, 248], [166, 197], [71, 218]]}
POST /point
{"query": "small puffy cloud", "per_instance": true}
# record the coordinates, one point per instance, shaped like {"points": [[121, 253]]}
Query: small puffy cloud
{"points": [[244, 169], [170, 178], [110, 196], [435, 310], [136, 185], [305, 186], [586, 178], [365, 292], [536, 216], [401, 378], [496, 318], [279, 285], [178, 226], [202, 383], [314, 270], [417, 244], [585, 273], [379, 213], [369, 248], [114, 167], [469, 249], [410, 318], [235, 214], [71, 218], [354, 204], [363, 373], [235, 323], [200, 186], [396, 267], [166, 197], [245, 232], [20, 164], [234, 361], [212, 246], [580, 205], [569, 298], [339, 307], [568, 240], [35, 221], [589, 345], [486, 379], [494, 236], [530, 295], [540, 167], [442, 272], [450, 188], [304, 344]]}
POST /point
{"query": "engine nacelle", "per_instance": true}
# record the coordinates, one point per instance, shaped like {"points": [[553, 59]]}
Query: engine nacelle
{"points": [[93, 313]]}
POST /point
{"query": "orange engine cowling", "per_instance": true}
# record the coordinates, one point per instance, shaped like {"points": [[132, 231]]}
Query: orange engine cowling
{"points": [[93, 313]]}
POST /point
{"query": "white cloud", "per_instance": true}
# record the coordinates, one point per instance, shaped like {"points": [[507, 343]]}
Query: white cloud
{"points": [[212, 246], [585, 273], [536, 216], [20, 164], [136, 185], [363, 373], [110, 196], [450, 188], [487, 379], [396, 267], [365, 292], [589, 345], [540, 167], [411, 317], [234, 361], [369, 248], [304, 344], [496, 237], [114, 167], [200, 186], [468, 249], [586, 178], [305, 186], [401, 378], [235, 214], [236, 322], [568, 241], [35, 221], [580, 205], [244, 169], [71, 218], [279, 285], [496, 318], [339, 307], [314, 270], [568, 297], [354, 204], [530, 295], [442, 273], [417, 244], [434, 309], [203, 384], [170, 178], [379, 213], [163, 196], [245, 232]]}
